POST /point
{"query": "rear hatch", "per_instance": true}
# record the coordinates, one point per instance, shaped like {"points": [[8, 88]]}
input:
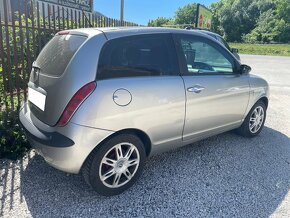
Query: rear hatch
{"points": [[63, 66]]}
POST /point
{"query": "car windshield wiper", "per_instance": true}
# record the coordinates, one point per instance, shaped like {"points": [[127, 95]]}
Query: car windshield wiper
{"points": [[34, 65]]}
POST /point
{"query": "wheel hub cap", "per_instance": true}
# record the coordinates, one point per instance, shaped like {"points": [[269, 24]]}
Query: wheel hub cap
{"points": [[121, 166]]}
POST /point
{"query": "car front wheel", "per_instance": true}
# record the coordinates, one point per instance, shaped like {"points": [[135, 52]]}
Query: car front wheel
{"points": [[254, 122], [115, 165]]}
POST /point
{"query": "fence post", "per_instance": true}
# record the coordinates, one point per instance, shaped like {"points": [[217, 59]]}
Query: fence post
{"points": [[53, 18], [3, 67], [28, 64], [8, 55], [15, 54]]}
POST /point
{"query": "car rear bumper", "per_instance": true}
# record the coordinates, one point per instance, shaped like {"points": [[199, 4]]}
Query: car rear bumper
{"points": [[65, 148]]}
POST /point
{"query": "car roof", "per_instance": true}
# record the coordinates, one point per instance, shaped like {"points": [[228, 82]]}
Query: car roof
{"points": [[116, 32], [210, 33]]}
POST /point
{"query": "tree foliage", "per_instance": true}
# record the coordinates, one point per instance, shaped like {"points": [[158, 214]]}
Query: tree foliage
{"points": [[160, 21], [186, 14], [283, 10], [238, 17], [252, 21], [183, 15], [261, 21]]}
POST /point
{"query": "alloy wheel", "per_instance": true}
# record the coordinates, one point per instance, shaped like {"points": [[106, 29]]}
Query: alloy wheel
{"points": [[256, 119], [119, 165]]}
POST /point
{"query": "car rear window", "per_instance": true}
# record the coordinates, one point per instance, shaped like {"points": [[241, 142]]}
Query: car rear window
{"points": [[136, 56], [55, 56]]}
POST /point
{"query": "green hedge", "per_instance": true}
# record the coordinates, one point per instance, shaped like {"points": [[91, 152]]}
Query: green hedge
{"points": [[13, 143]]}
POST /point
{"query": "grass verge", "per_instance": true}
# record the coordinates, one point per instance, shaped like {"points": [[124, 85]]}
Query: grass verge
{"points": [[263, 49]]}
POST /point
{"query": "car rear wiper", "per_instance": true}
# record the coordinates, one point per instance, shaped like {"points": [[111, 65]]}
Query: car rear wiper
{"points": [[34, 65]]}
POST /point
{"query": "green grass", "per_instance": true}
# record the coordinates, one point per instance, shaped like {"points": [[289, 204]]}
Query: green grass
{"points": [[263, 49]]}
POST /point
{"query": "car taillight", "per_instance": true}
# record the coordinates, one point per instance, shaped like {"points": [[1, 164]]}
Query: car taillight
{"points": [[75, 102]]}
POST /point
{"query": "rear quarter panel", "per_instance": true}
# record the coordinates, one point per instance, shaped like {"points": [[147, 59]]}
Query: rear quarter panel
{"points": [[157, 108]]}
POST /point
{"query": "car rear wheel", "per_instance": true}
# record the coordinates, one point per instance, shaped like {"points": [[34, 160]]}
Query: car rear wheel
{"points": [[115, 165], [254, 122]]}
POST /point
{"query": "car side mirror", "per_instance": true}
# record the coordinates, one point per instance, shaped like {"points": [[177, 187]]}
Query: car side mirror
{"points": [[245, 69], [235, 50]]}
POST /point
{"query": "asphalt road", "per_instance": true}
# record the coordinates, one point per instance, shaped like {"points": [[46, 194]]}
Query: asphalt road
{"points": [[223, 176]]}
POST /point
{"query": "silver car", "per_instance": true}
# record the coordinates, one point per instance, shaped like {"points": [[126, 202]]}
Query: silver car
{"points": [[101, 101]]}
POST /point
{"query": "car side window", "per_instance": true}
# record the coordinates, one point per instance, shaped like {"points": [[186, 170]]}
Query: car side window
{"points": [[135, 56], [202, 57], [224, 43]]}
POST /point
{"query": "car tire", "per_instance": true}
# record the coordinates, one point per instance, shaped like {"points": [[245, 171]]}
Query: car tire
{"points": [[254, 122], [115, 165]]}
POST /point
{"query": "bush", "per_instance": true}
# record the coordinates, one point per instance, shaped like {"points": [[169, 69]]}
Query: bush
{"points": [[13, 143]]}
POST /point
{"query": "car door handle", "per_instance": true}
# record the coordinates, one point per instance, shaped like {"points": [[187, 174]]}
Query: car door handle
{"points": [[196, 89]]}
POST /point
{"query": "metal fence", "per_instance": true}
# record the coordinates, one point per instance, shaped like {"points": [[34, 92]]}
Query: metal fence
{"points": [[26, 26]]}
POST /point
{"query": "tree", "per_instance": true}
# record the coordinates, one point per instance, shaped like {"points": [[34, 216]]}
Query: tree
{"points": [[160, 21], [216, 24], [183, 15], [283, 13], [268, 29], [241, 20], [186, 14], [273, 25], [283, 10], [236, 18]]}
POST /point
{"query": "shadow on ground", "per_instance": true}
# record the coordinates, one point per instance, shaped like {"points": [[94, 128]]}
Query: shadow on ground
{"points": [[226, 175]]}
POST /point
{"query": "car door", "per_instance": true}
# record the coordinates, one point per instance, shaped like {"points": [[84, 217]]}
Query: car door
{"points": [[216, 94]]}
